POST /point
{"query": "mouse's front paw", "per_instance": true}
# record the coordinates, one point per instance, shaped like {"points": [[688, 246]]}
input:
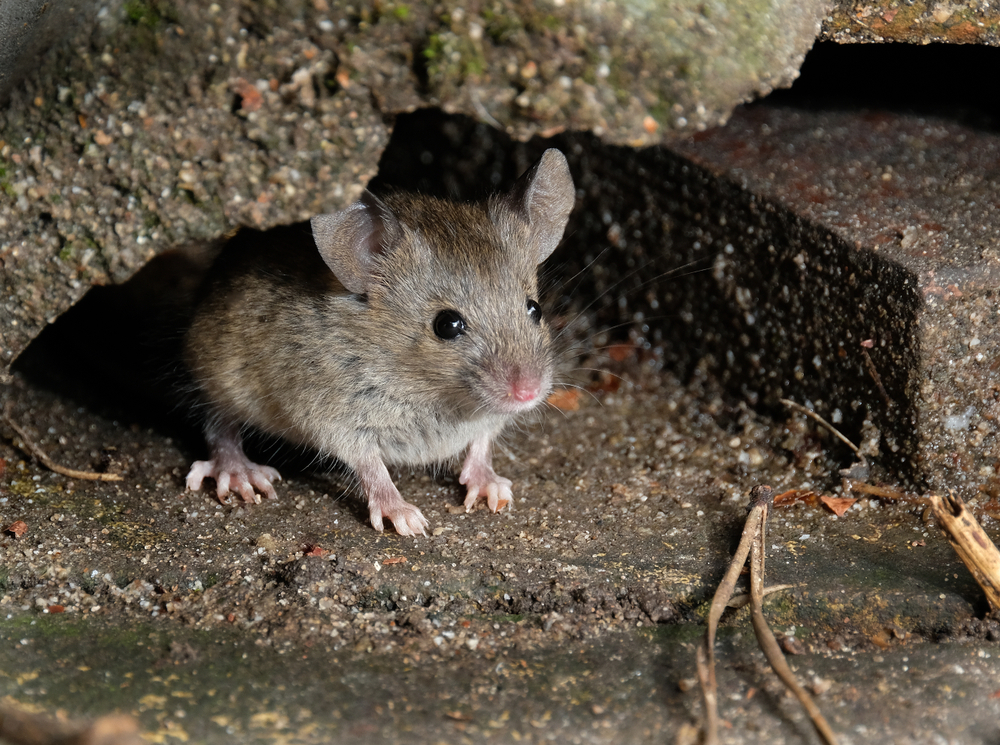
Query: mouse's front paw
{"points": [[495, 488], [405, 517], [242, 477]]}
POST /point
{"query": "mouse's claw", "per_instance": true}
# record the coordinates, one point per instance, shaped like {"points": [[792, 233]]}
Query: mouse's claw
{"points": [[497, 492], [405, 517], [242, 476]]}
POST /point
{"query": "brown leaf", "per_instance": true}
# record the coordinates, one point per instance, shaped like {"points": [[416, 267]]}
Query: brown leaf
{"points": [[395, 560], [18, 528], [56, 609], [314, 550], [794, 496], [566, 399], [838, 505]]}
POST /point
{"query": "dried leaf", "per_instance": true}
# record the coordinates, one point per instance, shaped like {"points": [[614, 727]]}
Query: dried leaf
{"points": [[837, 505], [17, 528], [395, 560], [566, 399], [795, 496]]}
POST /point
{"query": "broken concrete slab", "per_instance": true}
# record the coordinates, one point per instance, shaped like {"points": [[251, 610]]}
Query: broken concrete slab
{"points": [[898, 323], [176, 122]]}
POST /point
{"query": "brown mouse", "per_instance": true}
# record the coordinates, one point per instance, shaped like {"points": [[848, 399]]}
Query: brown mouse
{"points": [[404, 331]]}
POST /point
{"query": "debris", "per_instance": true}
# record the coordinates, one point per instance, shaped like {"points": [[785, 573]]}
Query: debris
{"points": [[250, 98], [32, 449], [17, 528], [973, 546], [565, 399], [838, 505], [752, 544]]}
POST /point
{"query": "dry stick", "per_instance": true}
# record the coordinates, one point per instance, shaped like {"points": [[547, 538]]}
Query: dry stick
{"points": [[706, 653], [799, 407], [767, 641], [32, 449], [752, 543], [971, 543]]}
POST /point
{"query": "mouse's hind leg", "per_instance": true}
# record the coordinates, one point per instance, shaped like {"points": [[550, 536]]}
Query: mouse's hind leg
{"points": [[229, 465]]}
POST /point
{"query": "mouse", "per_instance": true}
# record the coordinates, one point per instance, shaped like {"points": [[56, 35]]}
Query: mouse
{"points": [[404, 330]]}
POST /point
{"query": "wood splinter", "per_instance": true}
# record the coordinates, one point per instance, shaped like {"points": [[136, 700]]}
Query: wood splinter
{"points": [[973, 546], [29, 447]]}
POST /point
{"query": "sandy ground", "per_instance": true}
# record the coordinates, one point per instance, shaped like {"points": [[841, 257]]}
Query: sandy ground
{"points": [[573, 617]]}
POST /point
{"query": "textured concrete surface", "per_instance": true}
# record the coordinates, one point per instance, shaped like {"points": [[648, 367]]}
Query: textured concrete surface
{"points": [[28, 28], [179, 121], [917, 22], [902, 327], [572, 618]]}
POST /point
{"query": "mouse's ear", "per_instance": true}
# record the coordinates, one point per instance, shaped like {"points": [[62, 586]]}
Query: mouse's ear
{"points": [[351, 240], [544, 196]]}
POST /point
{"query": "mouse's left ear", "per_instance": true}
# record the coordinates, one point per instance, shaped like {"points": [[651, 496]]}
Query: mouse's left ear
{"points": [[350, 241], [544, 196]]}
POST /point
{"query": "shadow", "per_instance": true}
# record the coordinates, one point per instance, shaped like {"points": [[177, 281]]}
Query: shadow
{"points": [[954, 81], [118, 350]]}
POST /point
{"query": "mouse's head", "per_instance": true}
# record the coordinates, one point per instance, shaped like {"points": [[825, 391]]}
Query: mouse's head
{"points": [[453, 288]]}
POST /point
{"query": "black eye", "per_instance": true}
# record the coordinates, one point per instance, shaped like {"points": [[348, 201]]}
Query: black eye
{"points": [[534, 311], [448, 324]]}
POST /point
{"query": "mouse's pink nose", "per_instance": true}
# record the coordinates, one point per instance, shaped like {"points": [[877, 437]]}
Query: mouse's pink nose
{"points": [[525, 391], [525, 386]]}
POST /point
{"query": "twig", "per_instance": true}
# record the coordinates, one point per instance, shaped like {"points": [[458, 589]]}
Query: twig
{"points": [[971, 543], [812, 414], [706, 652], [35, 451], [769, 644], [738, 601], [752, 544], [875, 376]]}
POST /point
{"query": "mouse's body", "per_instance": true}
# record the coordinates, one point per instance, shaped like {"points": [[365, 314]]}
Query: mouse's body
{"points": [[401, 331]]}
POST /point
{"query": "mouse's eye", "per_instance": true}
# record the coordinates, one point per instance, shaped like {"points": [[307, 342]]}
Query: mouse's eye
{"points": [[449, 324], [534, 311]]}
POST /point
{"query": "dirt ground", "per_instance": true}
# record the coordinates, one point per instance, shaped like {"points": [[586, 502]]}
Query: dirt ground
{"points": [[573, 617]]}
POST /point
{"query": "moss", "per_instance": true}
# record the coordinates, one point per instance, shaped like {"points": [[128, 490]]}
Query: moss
{"points": [[502, 27], [149, 13], [402, 12]]}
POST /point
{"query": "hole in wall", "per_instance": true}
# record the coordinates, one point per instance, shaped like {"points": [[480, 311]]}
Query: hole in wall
{"points": [[638, 253]]}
